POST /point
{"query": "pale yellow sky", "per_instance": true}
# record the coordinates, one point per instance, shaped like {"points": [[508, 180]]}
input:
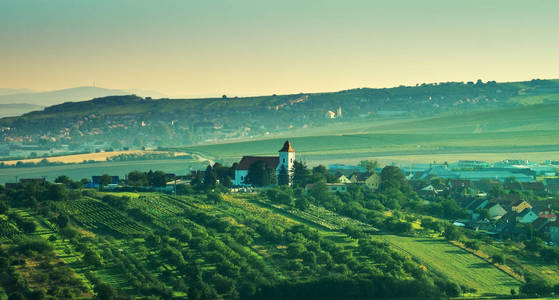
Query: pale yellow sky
{"points": [[183, 48]]}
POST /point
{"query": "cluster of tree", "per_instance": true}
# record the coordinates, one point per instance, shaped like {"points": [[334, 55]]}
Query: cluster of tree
{"points": [[213, 177], [150, 178], [56, 280]]}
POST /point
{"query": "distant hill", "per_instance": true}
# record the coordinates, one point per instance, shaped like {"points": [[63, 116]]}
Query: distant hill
{"points": [[133, 121], [14, 109], [8, 96], [5, 91]]}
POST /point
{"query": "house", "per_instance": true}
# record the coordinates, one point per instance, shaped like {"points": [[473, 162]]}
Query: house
{"points": [[429, 190], [539, 224], [526, 216], [332, 187], [337, 187], [496, 211], [437, 171], [343, 179], [96, 181], [372, 182], [500, 175], [32, 180], [543, 210], [476, 204], [537, 187], [285, 159], [359, 177], [554, 232], [520, 205], [552, 185]]}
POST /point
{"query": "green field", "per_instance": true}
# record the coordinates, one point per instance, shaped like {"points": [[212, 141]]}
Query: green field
{"points": [[522, 132], [455, 263], [79, 171], [129, 260]]}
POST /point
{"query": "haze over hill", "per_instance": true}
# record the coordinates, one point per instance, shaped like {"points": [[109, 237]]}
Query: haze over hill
{"points": [[48, 98]]}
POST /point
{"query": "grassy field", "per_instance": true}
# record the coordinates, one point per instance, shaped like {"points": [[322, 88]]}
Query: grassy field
{"points": [[457, 264], [522, 132], [120, 168], [78, 158]]}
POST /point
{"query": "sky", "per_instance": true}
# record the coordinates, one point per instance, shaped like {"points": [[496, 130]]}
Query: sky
{"points": [[189, 48]]}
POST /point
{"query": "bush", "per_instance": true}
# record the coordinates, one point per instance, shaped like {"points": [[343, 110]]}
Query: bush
{"points": [[498, 259], [474, 245]]}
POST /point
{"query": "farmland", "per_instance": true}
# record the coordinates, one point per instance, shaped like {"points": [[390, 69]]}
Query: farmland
{"points": [[455, 263], [150, 243], [120, 168], [522, 132], [89, 157]]}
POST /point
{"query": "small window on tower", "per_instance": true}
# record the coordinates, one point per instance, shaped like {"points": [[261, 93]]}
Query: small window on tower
{"points": [[284, 160]]}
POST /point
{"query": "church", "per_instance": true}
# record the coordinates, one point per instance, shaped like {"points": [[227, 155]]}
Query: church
{"points": [[286, 158]]}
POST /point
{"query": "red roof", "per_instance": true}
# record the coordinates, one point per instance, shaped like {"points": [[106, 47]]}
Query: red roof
{"points": [[286, 147], [247, 161]]}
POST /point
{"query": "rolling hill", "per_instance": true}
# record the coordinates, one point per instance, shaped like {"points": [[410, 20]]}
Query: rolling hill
{"points": [[452, 117]]}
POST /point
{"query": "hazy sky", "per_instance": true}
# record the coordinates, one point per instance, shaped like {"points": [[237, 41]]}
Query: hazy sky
{"points": [[206, 47]]}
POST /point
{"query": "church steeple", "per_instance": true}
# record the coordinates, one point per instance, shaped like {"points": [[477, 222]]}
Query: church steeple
{"points": [[286, 147], [286, 159]]}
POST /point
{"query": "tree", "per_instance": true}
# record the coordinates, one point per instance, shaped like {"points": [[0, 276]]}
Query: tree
{"points": [[300, 174], [62, 220], [452, 233], [473, 244], [214, 198], [369, 165], [104, 291], [157, 179], [92, 258], [283, 176], [261, 174], [63, 179], [104, 180], [210, 178], [498, 258], [137, 178], [302, 203], [57, 192], [393, 178]]}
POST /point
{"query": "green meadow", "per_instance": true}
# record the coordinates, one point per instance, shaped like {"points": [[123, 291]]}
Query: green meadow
{"points": [[521, 132], [455, 263]]}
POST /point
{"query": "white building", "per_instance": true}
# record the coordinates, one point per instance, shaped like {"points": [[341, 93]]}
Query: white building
{"points": [[285, 159]]}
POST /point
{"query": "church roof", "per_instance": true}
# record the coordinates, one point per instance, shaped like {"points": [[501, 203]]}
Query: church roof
{"points": [[286, 147], [247, 161]]}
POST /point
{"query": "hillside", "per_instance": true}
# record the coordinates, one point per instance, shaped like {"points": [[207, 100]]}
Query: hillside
{"points": [[235, 247], [9, 110], [488, 135], [133, 121], [47, 98]]}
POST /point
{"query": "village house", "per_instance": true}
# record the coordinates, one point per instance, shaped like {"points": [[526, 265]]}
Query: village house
{"points": [[332, 187], [520, 205], [496, 211], [554, 232], [286, 158], [526, 216], [343, 179]]}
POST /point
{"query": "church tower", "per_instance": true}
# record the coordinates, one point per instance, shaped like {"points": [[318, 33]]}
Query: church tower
{"points": [[286, 159]]}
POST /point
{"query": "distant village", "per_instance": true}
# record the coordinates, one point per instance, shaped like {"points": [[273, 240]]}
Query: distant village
{"points": [[510, 198]]}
